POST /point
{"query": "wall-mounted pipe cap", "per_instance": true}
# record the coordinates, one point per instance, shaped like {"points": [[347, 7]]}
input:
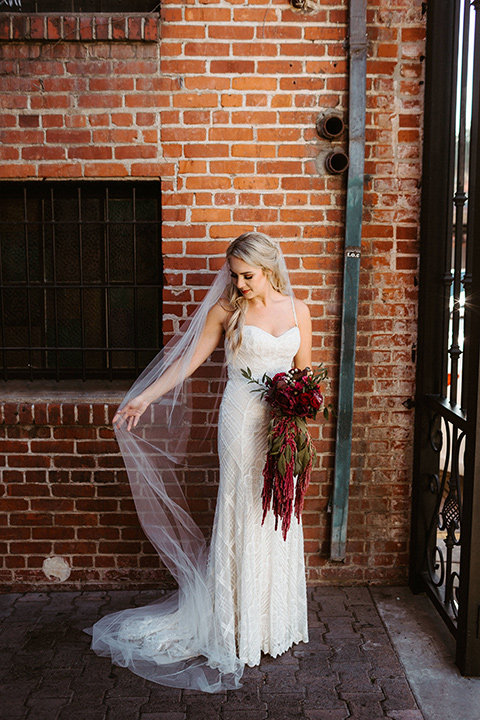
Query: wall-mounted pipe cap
{"points": [[330, 127], [336, 162], [305, 6]]}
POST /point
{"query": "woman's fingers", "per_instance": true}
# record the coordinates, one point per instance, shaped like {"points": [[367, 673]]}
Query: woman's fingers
{"points": [[120, 421], [128, 414], [119, 418], [131, 418]]}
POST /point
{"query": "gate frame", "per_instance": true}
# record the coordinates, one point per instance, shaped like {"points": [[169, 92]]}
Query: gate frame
{"points": [[434, 290]]}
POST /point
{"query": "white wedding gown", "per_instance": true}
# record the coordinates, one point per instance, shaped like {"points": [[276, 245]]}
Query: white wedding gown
{"points": [[258, 579], [250, 595]]}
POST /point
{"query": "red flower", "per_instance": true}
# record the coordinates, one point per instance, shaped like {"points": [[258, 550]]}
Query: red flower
{"points": [[292, 396]]}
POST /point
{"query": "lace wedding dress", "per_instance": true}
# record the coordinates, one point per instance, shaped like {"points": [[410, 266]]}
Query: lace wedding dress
{"points": [[247, 595], [258, 579]]}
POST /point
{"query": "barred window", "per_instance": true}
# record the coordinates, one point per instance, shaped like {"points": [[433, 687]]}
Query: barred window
{"points": [[79, 6], [80, 278]]}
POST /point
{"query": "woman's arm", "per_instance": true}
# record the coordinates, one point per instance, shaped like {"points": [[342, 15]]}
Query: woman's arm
{"points": [[175, 374], [303, 358]]}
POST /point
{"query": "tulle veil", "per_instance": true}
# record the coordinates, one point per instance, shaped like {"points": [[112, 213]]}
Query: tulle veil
{"points": [[174, 641]]}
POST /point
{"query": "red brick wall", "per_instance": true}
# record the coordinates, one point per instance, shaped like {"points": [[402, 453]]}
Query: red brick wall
{"points": [[67, 495], [223, 109]]}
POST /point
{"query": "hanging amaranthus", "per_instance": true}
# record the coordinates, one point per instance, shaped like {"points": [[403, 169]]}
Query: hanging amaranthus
{"points": [[293, 396]]}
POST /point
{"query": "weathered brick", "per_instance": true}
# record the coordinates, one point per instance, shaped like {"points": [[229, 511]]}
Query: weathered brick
{"points": [[227, 119]]}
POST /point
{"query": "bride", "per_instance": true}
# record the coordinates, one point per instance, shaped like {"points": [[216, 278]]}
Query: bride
{"points": [[245, 594]]}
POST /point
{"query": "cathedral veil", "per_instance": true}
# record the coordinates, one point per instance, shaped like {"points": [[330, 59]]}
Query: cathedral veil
{"points": [[176, 640]]}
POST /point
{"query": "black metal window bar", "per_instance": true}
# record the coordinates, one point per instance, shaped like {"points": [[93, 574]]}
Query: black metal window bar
{"points": [[448, 421], [80, 278]]}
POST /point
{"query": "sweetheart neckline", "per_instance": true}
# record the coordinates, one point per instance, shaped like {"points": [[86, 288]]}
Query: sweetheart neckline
{"points": [[271, 334]]}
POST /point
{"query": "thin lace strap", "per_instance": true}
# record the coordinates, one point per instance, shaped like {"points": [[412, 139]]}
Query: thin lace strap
{"points": [[293, 308]]}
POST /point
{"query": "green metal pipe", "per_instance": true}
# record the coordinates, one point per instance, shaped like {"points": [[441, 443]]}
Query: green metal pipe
{"points": [[357, 43]]}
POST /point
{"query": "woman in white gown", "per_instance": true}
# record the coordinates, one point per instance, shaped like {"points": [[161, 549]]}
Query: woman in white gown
{"points": [[247, 593]]}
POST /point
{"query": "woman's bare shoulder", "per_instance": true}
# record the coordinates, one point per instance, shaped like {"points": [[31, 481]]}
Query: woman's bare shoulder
{"points": [[220, 311], [302, 309]]}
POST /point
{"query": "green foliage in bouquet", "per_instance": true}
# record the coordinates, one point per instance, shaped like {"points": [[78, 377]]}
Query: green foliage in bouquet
{"points": [[293, 396]]}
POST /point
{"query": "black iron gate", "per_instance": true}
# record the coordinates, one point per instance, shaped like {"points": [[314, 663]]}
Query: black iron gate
{"points": [[445, 557]]}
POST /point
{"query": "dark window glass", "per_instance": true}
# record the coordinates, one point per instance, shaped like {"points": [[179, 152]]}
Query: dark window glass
{"points": [[80, 278]]}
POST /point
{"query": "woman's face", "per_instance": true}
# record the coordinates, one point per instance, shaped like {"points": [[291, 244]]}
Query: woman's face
{"points": [[250, 280]]}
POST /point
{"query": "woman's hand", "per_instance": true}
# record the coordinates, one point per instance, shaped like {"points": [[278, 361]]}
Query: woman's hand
{"points": [[131, 412]]}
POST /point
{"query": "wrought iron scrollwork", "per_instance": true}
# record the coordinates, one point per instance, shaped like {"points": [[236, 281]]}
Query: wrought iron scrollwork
{"points": [[444, 533]]}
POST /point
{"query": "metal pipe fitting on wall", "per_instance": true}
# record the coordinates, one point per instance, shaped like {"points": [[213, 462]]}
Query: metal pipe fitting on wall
{"points": [[330, 127], [336, 162], [305, 6]]}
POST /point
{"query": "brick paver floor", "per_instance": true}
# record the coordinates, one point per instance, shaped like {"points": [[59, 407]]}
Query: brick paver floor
{"points": [[347, 670]]}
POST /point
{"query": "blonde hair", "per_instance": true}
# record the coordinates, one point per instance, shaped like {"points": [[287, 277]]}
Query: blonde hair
{"points": [[257, 250]]}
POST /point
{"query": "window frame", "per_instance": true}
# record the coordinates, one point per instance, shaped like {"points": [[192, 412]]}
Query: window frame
{"points": [[102, 289]]}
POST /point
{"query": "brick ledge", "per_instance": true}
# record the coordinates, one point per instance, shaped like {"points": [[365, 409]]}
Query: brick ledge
{"points": [[79, 27], [65, 391]]}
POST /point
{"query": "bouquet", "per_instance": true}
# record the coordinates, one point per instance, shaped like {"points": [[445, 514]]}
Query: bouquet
{"points": [[293, 396]]}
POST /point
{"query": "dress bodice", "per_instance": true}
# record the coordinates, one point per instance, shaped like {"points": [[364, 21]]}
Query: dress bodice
{"points": [[263, 352]]}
